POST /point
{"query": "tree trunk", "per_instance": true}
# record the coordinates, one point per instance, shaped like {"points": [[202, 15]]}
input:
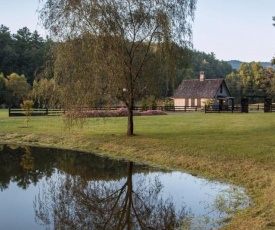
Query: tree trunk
{"points": [[129, 194], [130, 128]]}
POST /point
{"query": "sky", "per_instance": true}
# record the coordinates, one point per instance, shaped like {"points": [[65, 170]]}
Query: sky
{"points": [[231, 29]]}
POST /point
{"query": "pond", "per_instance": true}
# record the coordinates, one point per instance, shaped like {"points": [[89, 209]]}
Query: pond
{"points": [[44, 188]]}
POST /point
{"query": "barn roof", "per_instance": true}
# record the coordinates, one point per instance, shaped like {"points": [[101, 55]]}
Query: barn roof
{"points": [[198, 89]]}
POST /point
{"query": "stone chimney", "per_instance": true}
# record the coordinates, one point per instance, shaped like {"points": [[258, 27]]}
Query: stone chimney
{"points": [[202, 77]]}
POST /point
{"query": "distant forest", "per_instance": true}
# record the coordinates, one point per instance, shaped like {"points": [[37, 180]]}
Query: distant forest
{"points": [[237, 64], [24, 55]]}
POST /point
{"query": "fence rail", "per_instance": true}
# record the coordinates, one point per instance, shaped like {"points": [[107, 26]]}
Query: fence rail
{"points": [[221, 109], [57, 112], [162, 108], [207, 109], [13, 112], [249, 108]]}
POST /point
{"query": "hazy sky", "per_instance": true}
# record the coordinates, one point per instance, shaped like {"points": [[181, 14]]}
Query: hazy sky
{"points": [[235, 29], [232, 29]]}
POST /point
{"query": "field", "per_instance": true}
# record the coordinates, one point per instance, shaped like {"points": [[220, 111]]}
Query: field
{"points": [[237, 148]]}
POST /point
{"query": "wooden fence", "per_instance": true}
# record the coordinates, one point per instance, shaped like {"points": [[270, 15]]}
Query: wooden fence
{"points": [[57, 112], [162, 108], [238, 109], [221, 109], [36, 112], [207, 109]]}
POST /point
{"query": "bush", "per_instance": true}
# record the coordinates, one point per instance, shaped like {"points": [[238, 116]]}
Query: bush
{"points": [[26, 106], [168, 104], [122, 112]]}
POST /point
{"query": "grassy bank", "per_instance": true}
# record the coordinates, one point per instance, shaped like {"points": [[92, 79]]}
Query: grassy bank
{"points": [[237, 148]]}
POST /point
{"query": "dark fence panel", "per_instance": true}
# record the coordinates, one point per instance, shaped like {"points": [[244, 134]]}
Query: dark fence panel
{"points": [[248, 108], [13, 112], [221, 109]]}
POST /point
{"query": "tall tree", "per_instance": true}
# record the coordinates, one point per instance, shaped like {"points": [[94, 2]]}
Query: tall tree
{"points": [[2, 89], [235, 86], [273, 59], [31, 50], [124, 35], [257, 73], [45, 93], [8, 56]]}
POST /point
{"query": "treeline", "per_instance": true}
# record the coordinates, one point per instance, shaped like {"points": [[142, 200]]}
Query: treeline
{"points": [[25, 71], [252, 79], [14, 88], [208, 63], [23, 58], [22, 53]]}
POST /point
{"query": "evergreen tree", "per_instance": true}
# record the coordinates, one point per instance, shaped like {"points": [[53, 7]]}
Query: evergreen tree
{"points": [[22, 53]]}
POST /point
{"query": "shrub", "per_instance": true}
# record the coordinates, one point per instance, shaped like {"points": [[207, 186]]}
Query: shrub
{"points": [[26, 106], [121, 112], [168, 104]]}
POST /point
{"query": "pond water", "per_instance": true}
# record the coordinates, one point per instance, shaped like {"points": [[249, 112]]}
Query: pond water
{"points": [[42, 188]]}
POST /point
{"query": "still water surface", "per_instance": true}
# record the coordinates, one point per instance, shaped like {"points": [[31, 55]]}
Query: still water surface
{"points": [[43, 188]]}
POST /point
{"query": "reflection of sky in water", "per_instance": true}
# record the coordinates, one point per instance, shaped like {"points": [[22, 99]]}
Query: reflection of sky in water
{"points": [[16, 208], [196, 194], [192, 192]]}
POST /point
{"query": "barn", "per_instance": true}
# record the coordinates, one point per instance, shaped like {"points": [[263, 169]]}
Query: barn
{"points": [[198, 92]]}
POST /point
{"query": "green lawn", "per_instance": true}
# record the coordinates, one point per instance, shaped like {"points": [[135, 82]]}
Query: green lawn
{"points": [[239, 148]]}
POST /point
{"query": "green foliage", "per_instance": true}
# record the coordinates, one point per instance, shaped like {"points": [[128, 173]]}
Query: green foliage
{"points": [[46, 93], [251, 80], [18, 88], [23, 52], [144, 104], [208, 102], [2, 89], [149, 103], [26, 106], [208, 63], [152, 102], [167, 104]]}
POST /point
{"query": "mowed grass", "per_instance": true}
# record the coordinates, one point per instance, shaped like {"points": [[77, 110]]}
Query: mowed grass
{"points": [[238, 148], [215, 135]]}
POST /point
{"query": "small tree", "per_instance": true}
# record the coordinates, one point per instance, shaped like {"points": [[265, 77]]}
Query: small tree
{"points": [[152, 103], [26, 106]]}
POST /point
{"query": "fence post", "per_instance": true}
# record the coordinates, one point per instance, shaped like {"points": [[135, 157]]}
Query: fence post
{"points": [[9, 111]]}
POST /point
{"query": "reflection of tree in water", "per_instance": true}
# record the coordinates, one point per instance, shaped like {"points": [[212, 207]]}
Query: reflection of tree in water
{"points": [[71, 202], [21, 166], [27, 160], [27, 165]]}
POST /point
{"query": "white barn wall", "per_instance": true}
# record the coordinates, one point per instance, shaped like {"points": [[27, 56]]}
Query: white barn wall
{"points": [[181, 101]]}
